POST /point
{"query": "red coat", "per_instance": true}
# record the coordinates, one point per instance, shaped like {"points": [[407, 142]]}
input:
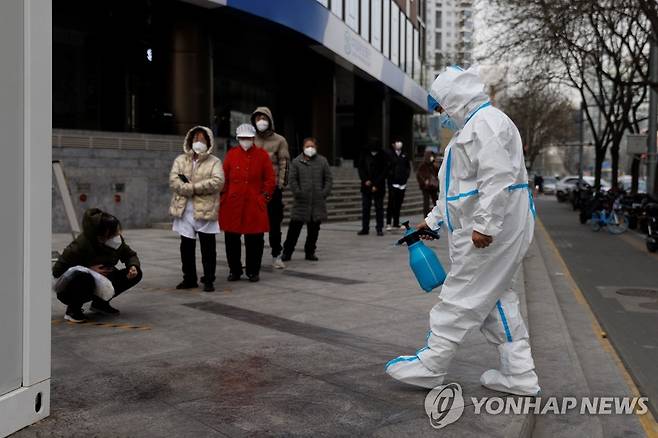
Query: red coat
{"points": [[249, 183]]}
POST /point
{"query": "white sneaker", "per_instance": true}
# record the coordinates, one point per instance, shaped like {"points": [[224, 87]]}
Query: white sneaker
{"points": [[277, 263], [389, 228]]}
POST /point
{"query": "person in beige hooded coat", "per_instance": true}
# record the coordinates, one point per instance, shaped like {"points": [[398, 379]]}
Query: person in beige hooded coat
{"points": [[196, 179], [277, 148]]}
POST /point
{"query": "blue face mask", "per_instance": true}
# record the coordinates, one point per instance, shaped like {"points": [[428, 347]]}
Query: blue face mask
{"points": [[447, 122]]}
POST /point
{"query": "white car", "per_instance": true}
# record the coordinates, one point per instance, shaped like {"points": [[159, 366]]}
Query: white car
{"points": [[550, 185], [626, 181], [568, 183]]}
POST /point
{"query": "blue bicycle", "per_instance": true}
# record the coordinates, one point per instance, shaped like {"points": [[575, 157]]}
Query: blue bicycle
{"points": [[614, 219]]}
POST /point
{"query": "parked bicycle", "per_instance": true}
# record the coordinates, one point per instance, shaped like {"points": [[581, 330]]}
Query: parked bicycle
{"points": [[609, 214]]}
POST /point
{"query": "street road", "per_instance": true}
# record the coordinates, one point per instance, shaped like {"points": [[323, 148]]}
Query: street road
{"points": [[619, 278]]}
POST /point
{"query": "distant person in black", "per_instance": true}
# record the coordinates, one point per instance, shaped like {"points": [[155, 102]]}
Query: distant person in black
{"points": [[373, 169], [539, 184], [398, 174]]}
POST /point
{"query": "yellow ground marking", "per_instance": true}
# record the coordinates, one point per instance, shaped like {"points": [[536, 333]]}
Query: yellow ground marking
{"points": [[647, 420], [122, 326]]}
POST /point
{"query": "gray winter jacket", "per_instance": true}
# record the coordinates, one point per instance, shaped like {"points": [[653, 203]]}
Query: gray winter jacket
{"points": [[310, 183]]}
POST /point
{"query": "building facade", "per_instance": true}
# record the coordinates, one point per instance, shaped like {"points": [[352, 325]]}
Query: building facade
{"points": [[134, 75], [450, 28]]}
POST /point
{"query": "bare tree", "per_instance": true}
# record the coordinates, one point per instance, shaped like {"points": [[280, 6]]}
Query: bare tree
{"points": [[543, 116], [593, 46]]}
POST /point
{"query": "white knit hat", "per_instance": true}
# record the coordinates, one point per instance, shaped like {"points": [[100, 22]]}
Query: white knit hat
{"points": [[245, 130]]}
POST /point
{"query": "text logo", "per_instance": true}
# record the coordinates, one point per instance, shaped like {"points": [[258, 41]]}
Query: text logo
{"points": [[444, 405]]}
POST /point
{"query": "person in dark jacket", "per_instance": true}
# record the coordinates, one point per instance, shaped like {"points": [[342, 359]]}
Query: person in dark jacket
{"points": [[428, 180], [99, 248], [310, 183], [373, 169], [398, 174]]}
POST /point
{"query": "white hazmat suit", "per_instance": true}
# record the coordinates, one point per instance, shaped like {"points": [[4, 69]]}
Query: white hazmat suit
{"points": [[484, 187]]}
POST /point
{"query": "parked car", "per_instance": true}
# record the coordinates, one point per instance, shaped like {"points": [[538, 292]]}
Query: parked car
{"points": [[626, 181], [550, 185], [565, 185]]}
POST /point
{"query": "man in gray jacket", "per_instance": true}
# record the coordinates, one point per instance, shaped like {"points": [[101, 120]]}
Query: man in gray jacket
{"points": [[310, 183]]}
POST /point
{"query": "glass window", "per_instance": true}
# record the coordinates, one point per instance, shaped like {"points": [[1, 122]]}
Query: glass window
{"points": [[386, 40], [403, 45], [337, 8], [409, 60], [438, 41], [352, 14], [439, 19], [395, 34], [376, 24], [365, 19]]}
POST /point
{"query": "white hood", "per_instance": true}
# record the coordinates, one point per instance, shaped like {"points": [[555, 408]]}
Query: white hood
{"points": [[459, 92]]}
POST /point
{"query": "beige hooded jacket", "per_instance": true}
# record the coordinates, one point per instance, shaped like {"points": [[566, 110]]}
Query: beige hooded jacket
{"points": [[275, 145], [205, 182]]}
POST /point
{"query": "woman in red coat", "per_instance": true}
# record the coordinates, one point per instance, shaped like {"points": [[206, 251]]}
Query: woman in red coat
{"points": [[249, 183]]}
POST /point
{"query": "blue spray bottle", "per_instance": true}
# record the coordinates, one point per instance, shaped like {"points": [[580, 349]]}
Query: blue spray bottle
{"points": [[423, 261]]}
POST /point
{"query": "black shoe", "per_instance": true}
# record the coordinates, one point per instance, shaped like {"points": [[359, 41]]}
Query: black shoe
{"points": [[380, 233], [254, 278], [75, 314], [233, 277], [209, 287], [363, 233], [312, 257], [184, 285], [285, 257], [101, 306]]}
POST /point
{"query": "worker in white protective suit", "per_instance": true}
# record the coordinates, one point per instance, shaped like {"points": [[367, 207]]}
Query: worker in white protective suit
{"points": [[486, 205]]}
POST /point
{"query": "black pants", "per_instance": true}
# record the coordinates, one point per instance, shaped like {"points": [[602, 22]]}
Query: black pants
{"points": [[312, 233], [81, 286], [208, 258], [254, 244], [395, 200], [275, 214], [427, 195], [366, 202]]}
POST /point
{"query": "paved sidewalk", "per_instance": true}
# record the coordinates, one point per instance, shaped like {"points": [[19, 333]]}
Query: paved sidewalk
{"points": [[301, 353]]}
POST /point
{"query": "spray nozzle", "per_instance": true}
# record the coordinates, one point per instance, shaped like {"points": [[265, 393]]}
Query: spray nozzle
{"points": [[412, 235]]}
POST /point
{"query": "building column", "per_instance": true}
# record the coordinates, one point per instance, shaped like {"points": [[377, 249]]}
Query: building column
{"points": [[323, 117], [25, 165], [190, 74], [386, 116]]}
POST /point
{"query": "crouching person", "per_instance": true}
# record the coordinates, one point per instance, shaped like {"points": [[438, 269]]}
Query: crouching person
{"points": [[97, 250]]}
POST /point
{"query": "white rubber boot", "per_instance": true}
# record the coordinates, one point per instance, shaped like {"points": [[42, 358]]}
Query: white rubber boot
{"points": [[519, 384], [410, 370]]}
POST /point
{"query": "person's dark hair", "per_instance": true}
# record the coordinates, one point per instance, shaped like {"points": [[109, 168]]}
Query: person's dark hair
{"points": [[203, 132], [108, 226], [374, 144], [312, 139]]}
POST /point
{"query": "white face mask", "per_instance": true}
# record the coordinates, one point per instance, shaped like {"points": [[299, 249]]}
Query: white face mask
{"points": [[199, 147], [397, 145], [262, 125], [431, 159], [246, 143], [373, 153], [114, 242], [310, 152]]}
